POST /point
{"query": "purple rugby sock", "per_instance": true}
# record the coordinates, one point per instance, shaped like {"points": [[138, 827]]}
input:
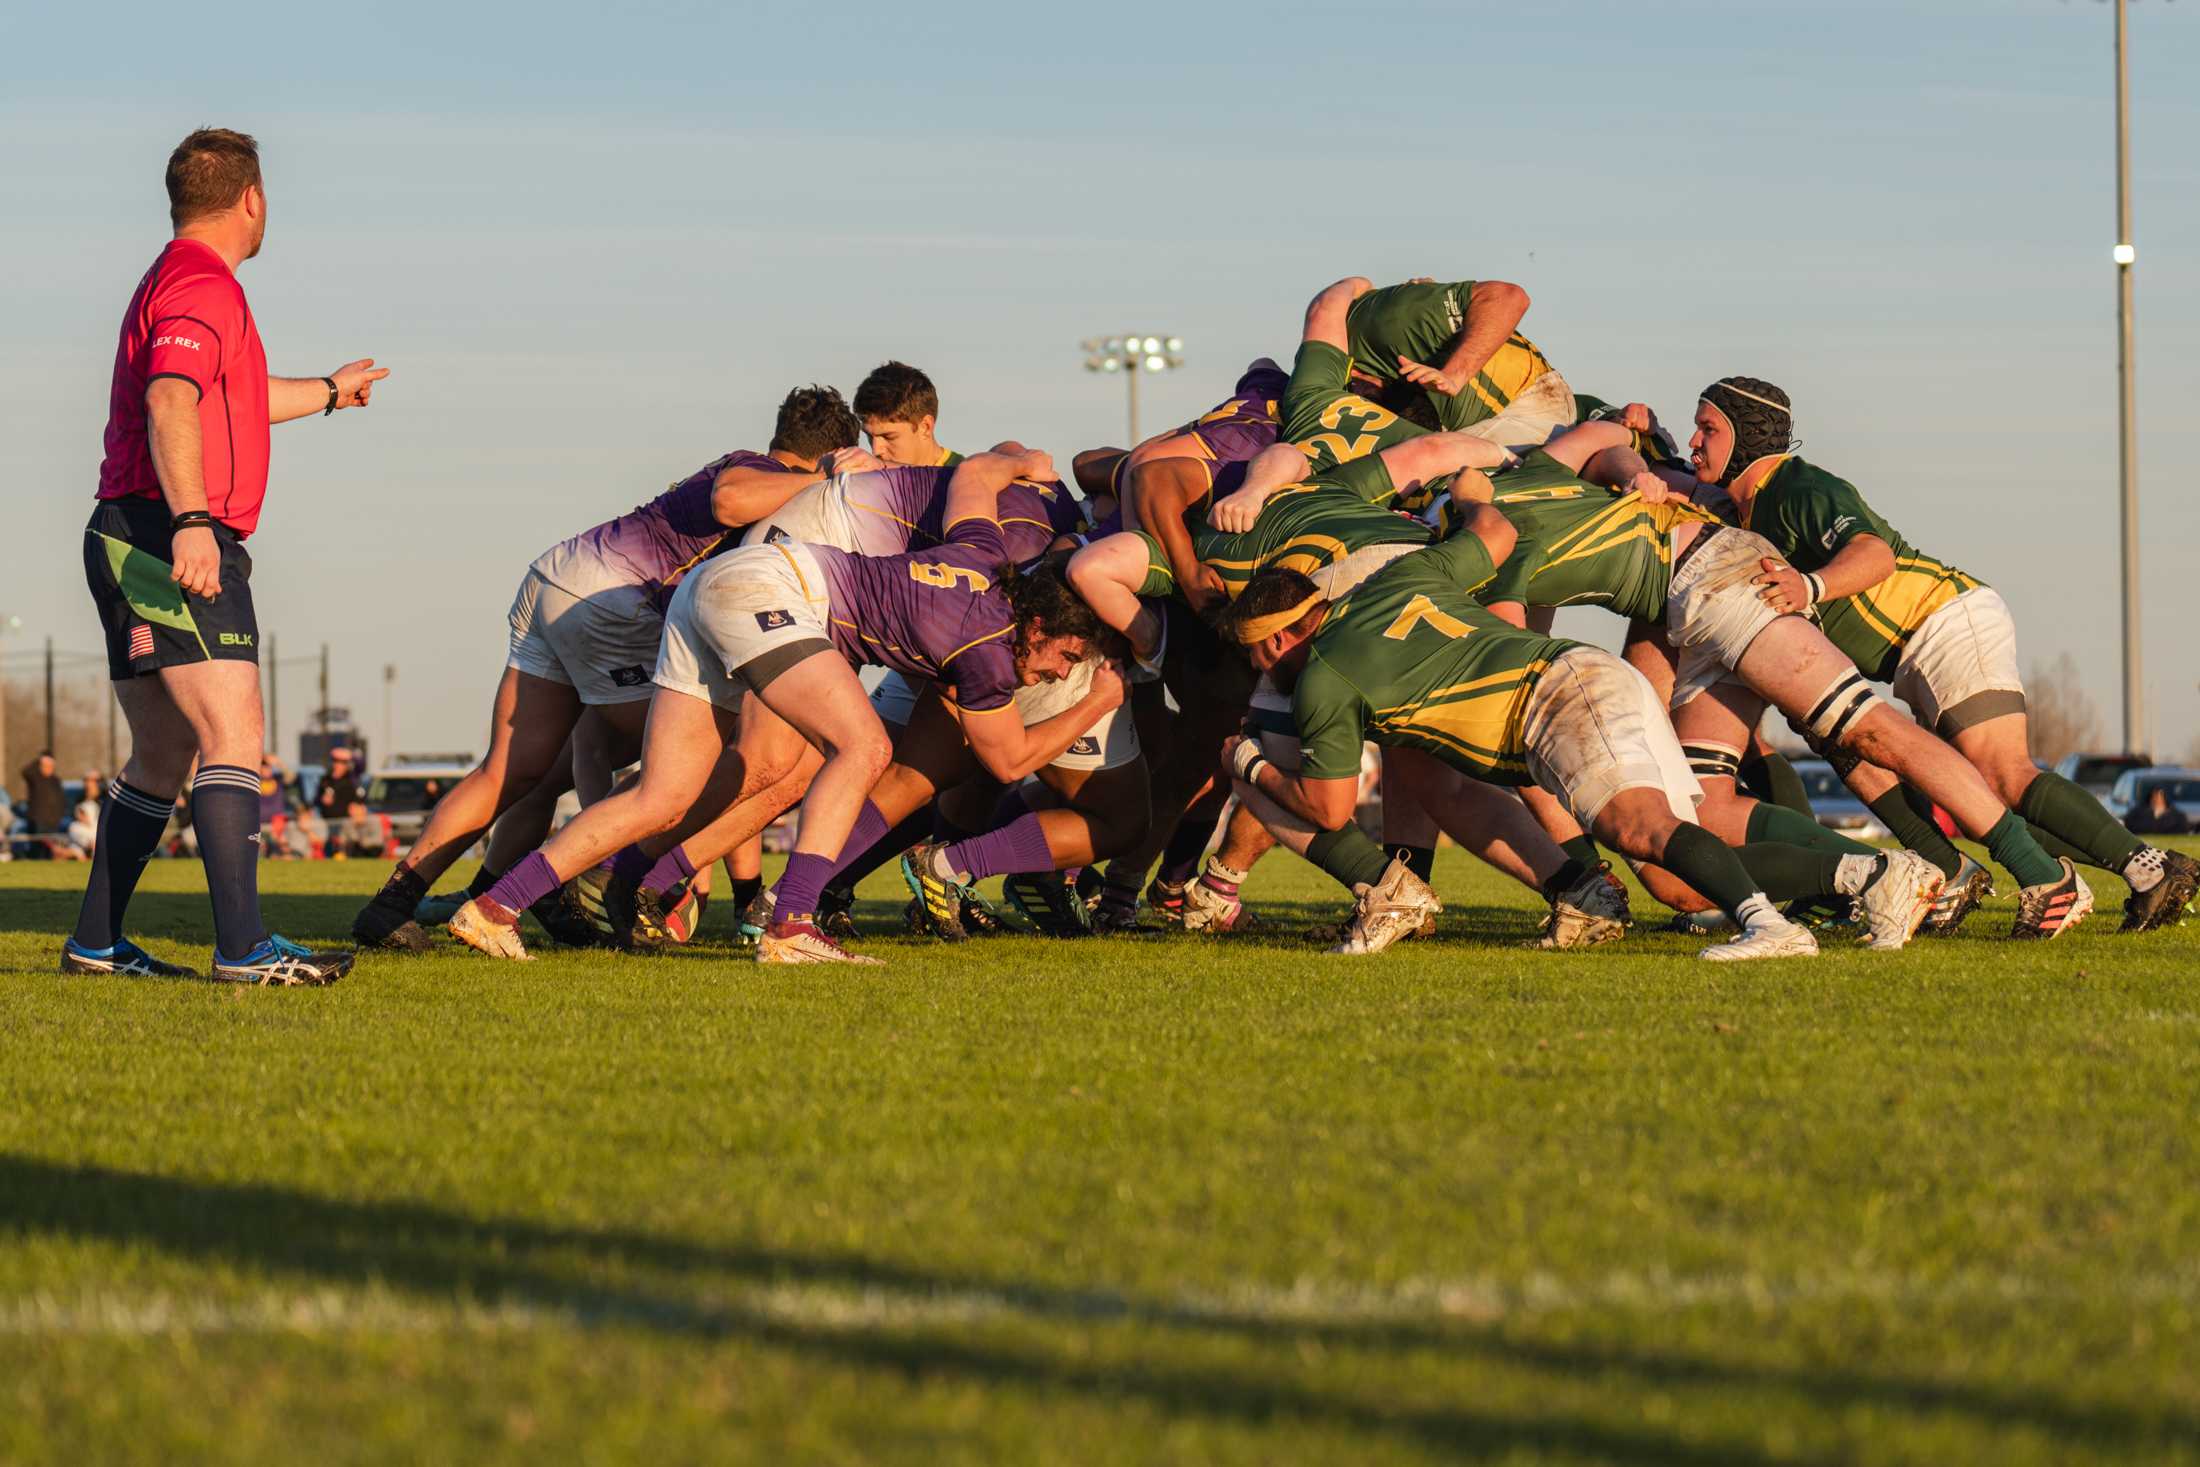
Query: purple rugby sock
{"points": [[795, 899], [1020, 845], [672, 868], [525, 884], [630, 865]]}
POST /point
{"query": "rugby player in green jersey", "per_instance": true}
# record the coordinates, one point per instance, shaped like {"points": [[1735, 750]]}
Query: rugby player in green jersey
{"points": [[1720, 625], [1409, 660], [1331, 527], [1457, 342], [1583, 544], [1942, 638]]}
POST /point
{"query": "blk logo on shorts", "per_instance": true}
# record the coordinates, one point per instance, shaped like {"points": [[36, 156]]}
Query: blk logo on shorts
{"points": [[1086, 746], [774, 535], [772, 621], [630, 677]]}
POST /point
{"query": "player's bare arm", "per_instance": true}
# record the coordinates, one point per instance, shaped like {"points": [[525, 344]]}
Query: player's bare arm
{"points": [[1106, 575], [1327, 803], [1163, 491], [1009, 750], [1493, 314], [349, 386], [743, 494], [1577, 445], [1435, 455], [1326, 312], [1277, 465], [172, 411], [974, 490], [1861, 564]]}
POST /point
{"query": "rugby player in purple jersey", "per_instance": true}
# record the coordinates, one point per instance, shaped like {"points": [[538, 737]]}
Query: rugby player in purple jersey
{"points": [[900, 409], [775, 633], [584, 633], [1233, 432]]}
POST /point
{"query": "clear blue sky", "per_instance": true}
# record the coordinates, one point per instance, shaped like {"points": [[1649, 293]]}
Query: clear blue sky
{"points": [[596, 248]]}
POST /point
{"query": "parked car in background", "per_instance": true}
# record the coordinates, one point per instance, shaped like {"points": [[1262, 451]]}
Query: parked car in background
{"points": [[1835, 804], [406, 789], [2136, 786], [2097, 774]]}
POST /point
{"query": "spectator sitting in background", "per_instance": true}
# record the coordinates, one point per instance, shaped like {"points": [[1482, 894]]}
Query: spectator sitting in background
{"points": [[83, 831], [362, 834], [339, 787], [48, 805], [275, 796], [2157, 816]]}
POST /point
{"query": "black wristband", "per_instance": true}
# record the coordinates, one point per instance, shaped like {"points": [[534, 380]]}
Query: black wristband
{"points": [[191, 519], [331, 381]]}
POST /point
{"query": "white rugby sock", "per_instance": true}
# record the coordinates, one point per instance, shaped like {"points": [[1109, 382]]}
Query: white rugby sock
{"points": [[2145, 870]]}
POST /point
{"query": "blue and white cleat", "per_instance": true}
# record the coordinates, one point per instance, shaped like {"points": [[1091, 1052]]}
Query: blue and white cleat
{"points": [[281, 963], [124, 960]]}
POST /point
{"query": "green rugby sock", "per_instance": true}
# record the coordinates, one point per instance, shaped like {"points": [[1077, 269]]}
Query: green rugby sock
{"points": [[1420, 860], [1709, 865], [1788, 873], [1582, 848], [1771, 777], [1916, 829], [2076, 821], [2012, 846], [1350, 855], [1778, 823]]}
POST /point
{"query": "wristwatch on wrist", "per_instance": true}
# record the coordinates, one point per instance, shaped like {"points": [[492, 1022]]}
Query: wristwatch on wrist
{"points": [[332, 395]]}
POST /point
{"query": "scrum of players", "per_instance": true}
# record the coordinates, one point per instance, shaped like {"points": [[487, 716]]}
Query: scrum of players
{"points": [[1183, 665]]}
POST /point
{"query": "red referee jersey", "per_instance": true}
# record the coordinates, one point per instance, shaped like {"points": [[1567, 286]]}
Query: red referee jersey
{"points": [[189, 320]]}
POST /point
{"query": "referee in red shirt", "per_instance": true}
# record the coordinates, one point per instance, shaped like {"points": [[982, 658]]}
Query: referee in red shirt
{"points": [[179, 493]]}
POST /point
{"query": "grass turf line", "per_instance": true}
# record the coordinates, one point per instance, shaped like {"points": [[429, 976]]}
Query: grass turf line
{"points": [[1124, 1200]]}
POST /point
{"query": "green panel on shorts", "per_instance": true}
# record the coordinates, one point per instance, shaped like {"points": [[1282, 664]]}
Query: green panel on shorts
{"points": [[147, 584], [1160, 580]]}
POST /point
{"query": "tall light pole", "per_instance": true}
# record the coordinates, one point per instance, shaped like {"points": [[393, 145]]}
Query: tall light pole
{"points": [[2127, 406], [1133, 355]]}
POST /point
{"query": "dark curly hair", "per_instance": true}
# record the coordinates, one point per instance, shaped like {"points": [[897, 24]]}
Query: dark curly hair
{"points": [[1041, 598], [1764, 423], [1410, 401], [813, 421]]}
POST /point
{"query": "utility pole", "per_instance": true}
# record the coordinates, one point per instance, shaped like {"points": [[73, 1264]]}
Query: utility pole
{"points": [[2126, 390], [274, 698], [389, 717], [49, 692]]}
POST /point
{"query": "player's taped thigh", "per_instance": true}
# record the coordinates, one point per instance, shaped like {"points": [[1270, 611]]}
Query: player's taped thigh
{"points": [[1711, 760], [1845, 701]]}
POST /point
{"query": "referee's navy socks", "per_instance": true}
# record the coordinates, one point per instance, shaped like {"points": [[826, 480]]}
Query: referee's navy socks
{"points": [[130, 825], [225, 811]]}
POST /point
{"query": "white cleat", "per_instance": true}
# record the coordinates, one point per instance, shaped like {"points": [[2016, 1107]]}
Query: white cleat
{"points": [[1208, 910], [1897, 904], [487, 928], [799, 942], [1767, 937], [1392, 908]]}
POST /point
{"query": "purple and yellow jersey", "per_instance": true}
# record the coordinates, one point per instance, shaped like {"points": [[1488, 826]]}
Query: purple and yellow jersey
{"points": [[654, 545], [901, 508], [931, 613], [1235, 431]]}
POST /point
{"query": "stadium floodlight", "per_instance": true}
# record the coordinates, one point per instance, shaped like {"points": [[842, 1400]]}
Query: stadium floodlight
{"points": [[1133, 354]]}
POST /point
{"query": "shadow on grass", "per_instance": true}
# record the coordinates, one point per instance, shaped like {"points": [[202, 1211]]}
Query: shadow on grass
{"points": [[445, 1256]]}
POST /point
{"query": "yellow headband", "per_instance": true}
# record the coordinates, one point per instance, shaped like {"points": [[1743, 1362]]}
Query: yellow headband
{"points": [[1258, 629]]}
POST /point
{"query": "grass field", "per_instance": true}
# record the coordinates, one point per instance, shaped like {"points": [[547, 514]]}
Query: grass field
{"points": [[1127, 1201]]}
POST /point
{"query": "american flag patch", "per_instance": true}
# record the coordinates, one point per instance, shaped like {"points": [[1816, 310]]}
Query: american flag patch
{"points": [[141, 642]]}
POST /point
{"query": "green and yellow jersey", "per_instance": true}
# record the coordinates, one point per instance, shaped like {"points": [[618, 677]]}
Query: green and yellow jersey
{"points": [[1307, 527], [1421, 322], [1410, 659], [1583, 545], [948, 459], [1808, 515], [1326, 420]]}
